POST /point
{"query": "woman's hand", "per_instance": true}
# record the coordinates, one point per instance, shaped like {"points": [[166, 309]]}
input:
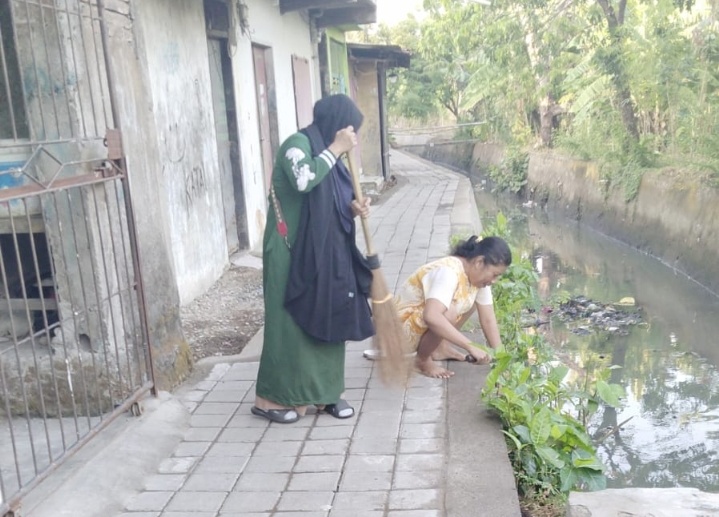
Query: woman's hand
{"points": [[479, 355], [361, 210], [345, 140]]}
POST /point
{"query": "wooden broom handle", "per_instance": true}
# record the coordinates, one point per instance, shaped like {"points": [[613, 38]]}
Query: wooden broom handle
{"points": [[360, 199]]}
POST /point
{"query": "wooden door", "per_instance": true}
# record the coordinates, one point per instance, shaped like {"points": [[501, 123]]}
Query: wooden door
{"points": [[303, 91]]}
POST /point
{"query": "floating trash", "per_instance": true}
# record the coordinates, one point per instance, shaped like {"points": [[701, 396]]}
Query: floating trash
{"points": [[592, 316]]}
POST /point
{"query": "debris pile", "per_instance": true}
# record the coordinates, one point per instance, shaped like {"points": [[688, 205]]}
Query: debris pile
{"points": [[584, 316]]}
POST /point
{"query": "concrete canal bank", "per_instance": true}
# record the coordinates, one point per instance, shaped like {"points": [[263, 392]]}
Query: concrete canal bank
{"points": [[670, 218]]}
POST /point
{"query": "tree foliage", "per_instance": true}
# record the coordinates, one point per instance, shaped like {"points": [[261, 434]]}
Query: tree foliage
{"points": [[631, 83]]}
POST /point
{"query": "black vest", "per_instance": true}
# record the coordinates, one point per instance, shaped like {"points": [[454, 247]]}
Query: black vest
{"points": [[329, 279]]}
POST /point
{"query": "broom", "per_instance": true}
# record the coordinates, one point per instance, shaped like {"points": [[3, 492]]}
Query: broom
{"points": [[389, 339]]}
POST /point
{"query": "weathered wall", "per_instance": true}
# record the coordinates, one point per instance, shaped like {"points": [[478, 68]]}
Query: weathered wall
{"points": [[456, 156], [670, 219], [365, 78], [286, 35], [674, 221], [171, 353], [160, 53], [177, 58]]}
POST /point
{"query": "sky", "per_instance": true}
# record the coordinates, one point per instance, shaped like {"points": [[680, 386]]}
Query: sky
{"points": [[393, 11]]}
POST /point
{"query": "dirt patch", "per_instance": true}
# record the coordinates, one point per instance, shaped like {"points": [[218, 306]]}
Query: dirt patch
{"points": [[223, 320]]}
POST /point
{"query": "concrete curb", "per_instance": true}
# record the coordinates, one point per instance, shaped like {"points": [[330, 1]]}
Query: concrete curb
{"points": [[480, 479], [114, 465]]}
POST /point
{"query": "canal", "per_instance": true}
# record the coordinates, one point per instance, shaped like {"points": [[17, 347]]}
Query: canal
{"points": [[669, 434]]}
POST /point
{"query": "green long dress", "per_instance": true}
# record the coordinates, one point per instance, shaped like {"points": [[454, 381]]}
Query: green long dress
{"points": [[295, 369]]}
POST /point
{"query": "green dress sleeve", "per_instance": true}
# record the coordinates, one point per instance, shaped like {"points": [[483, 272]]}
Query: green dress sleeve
{"points": [[301, 169]]}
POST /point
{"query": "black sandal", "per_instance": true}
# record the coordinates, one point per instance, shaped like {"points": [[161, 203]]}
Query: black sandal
{"points": [[281, 416], [340, 409]]}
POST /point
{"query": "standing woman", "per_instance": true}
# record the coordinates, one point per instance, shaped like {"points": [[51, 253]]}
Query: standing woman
{"points": [[316, 282], [438, 298]]}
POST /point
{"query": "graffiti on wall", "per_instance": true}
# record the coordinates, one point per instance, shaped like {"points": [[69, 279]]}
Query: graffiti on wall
{"points": [[195, 184]]}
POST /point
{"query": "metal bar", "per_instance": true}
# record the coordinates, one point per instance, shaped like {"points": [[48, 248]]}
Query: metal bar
{"points": [[14, 500], [82, 131], [30, 125], [434, 128], [84, 290], [122, 165], [63, 67], [36, 152], [50, 74], [98, 67], [142, 302], [58, 186], [117, 279], [8, 411], [96, 277], [126, 262], [74, 322], [56, 141], [33, 349], [44, 306], [84, 47], [127, 259], [37, 75], [8, 92], [59, 324]]}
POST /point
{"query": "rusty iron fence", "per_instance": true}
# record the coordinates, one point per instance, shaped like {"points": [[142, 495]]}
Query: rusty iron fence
{"points": [[74, 351]]}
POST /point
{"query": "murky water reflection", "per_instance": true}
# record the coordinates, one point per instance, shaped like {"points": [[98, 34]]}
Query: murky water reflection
{"points": [[669, 364]]}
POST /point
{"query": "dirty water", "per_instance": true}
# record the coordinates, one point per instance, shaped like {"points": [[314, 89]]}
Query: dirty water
{"points": [[669, 421]]}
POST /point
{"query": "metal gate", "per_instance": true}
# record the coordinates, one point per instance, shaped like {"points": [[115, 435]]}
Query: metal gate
{"points": [[73, 336]]}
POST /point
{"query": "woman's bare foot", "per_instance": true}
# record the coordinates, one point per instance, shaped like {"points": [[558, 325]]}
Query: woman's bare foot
{"points": [[429, 368], [446, 352]]}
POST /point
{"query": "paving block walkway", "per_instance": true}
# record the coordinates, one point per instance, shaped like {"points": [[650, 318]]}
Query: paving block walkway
{"points": [[406, 453]]}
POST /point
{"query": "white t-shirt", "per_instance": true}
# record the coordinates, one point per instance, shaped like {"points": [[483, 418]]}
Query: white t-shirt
{"points": [[441, 284]]}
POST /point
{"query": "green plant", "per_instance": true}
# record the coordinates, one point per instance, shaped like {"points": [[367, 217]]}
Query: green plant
{"points": [[511, 174], [543, 414]]}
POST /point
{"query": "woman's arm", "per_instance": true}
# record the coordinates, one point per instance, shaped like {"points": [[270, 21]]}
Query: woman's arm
{"points": [[303, 170], [437, 322], [488, 321]]}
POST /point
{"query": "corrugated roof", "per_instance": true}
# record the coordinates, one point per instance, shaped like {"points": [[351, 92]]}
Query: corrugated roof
{"points": [[394, 55]]}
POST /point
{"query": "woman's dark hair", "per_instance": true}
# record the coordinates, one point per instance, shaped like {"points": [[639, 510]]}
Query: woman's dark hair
{"points": [[336, 112], [495, 250]]}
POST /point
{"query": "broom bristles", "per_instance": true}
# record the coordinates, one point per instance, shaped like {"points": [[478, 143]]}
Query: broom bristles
{"points": [[389, 340]]}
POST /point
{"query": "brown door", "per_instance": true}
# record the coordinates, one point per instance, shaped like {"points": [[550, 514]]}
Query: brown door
{"points": [[263, 89], [303, 91]]}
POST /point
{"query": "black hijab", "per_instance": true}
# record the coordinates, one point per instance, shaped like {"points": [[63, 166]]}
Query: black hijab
{"points": [[333, 113]]}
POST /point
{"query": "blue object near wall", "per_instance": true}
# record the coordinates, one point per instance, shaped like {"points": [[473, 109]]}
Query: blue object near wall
{"points": [[8, 178]]}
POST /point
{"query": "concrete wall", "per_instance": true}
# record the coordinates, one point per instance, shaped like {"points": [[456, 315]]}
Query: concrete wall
{"points": [[177, 56], [163, 80], [179, 78], [456, 156], [171, 353], [370, 135], [674, 220], [671, 218]]}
